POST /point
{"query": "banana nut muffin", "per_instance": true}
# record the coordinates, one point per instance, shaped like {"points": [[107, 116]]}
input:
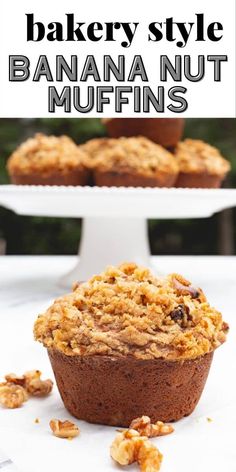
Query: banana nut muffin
{"points": [[200, 165], [127, 343], [48, 160], [134, 162], [164, 131]]}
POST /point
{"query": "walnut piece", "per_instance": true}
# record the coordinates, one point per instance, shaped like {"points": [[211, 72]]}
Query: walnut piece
{"points": [[11, 395], [149, 457], [183, 287], [64, 429], [40, 388], [125, 446], [145, 428], [128, 447], [32, 382], [35, 386], [15, 379]]}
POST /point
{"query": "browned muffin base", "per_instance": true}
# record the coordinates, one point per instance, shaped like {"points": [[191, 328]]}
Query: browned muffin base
{"points": [[73, 177], [198, 180], [126, 179], [114, 391], [164, 131]]}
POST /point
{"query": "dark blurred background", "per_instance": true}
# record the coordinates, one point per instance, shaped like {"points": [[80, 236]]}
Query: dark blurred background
{"points": [[33, 235]]}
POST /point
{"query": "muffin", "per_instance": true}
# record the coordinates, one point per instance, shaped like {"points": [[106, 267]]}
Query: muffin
{"points": [[130, 162], [127, 344], [200, 165], [164, 131], [48, 160]]}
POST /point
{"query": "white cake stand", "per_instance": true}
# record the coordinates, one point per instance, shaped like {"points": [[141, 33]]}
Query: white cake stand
{"points": [[114, 219]]}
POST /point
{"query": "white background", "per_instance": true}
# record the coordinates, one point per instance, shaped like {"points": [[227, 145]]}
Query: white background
{"points": [[29, 99]]}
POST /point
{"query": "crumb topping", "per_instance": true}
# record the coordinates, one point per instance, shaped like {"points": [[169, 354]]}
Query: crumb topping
{"points": [[137, 154], [44, 154], [127, 311], [194, 155]]}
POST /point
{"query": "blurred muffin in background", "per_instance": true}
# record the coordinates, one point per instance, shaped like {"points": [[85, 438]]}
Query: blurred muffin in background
{"points": [[200, 165], [135, 162], [48, 160], [164, 131]]}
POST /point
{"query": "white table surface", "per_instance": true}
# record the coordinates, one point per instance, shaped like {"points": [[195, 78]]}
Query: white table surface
{"points": [[27, 286]]}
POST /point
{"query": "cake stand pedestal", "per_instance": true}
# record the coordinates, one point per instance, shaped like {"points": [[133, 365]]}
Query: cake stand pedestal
{"points": [[106, 241], [114, 226]]}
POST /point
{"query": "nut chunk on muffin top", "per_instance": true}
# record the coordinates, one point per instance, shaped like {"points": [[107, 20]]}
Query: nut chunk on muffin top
{"points": [[127, 311], [134, 161], [48, 160]]}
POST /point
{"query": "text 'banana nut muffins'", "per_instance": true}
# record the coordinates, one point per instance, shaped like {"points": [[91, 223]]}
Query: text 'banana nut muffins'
{"points": [[131, 162], [48, 160], [164, 131], [127, 344], [200, 165]]}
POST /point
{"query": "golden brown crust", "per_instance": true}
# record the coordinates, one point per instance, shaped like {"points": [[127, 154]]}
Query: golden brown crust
{"points": [[45, 155], [126, 311], [165, 390], [74, 177], [198, 180], [196, 156], [138, 155], [131, 179]]}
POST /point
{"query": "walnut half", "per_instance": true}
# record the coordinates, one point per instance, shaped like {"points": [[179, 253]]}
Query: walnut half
{"points": [[64, 429], [36, 386], [145, 428], [183, 287], [32, 382], [15, 379], [128, 447], [11, 395], [149, 457]]}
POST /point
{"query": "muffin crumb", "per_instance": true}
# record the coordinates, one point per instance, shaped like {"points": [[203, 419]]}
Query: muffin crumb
{"points": [[209, 420]]}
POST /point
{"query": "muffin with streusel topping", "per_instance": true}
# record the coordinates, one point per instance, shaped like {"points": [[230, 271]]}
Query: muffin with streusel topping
{"points": [[48, 160], [200, 165], [127, 344], [130, 162]]}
